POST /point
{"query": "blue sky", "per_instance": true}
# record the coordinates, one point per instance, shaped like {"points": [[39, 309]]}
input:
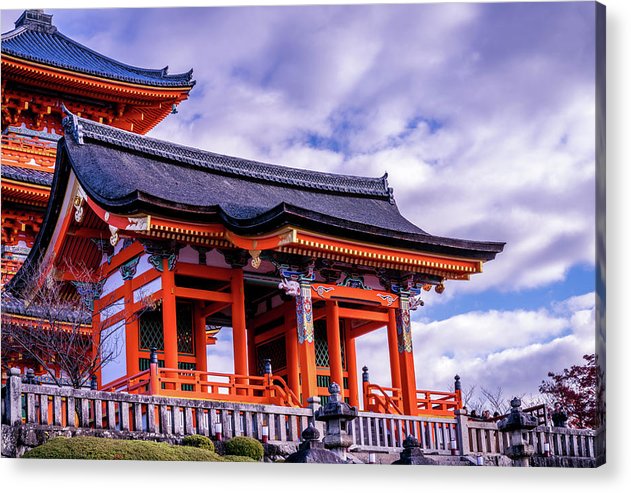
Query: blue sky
{"points": [[482, 114]]}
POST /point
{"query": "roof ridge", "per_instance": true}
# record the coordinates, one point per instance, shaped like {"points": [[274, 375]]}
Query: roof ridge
{"points": [[79, 129], [133, 68]]}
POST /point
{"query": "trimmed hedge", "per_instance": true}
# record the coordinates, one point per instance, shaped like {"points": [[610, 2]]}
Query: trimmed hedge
{"points": [[245, 447], [111, 449], [198, 441], [237, 458]]}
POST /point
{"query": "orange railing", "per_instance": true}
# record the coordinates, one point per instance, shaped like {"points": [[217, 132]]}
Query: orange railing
{"points": [[389, 400], [193, 384], [136, 384], [379, 399], [436, 403]]}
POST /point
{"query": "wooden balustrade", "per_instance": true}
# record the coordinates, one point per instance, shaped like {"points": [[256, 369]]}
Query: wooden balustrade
{"points": [[381, 432], [483, 438], [382, 399], [193, 384], [428, 402], [91, 409], [436, 403], [54, 407]]}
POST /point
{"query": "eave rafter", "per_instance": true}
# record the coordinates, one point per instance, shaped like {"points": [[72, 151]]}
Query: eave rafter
{"points": [[294, 241]]}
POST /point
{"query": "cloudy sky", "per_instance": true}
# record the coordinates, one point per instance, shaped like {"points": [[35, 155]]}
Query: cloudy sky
{"points": [[482, 114]]}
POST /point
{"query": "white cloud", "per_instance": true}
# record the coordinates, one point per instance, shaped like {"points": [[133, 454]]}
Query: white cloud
{"points": [[510, 349]]}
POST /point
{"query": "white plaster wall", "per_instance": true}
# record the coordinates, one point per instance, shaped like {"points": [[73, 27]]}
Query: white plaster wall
{"points": [[188, 255], [147, 289], [113, 309], [216, 259], [114, 281], [143, 265], [114, 343]]}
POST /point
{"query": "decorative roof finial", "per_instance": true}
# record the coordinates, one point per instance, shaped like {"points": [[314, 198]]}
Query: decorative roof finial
{"points": [[71, 125], [36, 20]]}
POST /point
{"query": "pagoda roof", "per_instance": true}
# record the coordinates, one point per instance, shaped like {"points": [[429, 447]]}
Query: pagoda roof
{"points": [[28, 132], [129, 174], [27, 175], [36, 39]]}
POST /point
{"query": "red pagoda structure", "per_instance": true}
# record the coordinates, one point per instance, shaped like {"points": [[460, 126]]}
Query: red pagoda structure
{"points": [[299, 264], [41, 69]]}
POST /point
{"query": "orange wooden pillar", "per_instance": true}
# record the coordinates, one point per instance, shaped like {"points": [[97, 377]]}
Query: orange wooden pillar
{"points": [[169, 316], [406, 355], [201, 363], [351, 367], [395, 372], [239, 334], [131, 333], [252, 360], [334, 342], [96, 342], [306, 342], [291, 350]]}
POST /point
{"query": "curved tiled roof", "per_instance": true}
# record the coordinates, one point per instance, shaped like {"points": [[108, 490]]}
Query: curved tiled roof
{"points": [[210, 161], [27, 175], [129, 174], [36, 39]]}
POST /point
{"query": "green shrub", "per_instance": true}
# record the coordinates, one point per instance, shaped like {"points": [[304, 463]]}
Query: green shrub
{"points": [[198, 441], [245, 447], [111, 449], [237, 458]]}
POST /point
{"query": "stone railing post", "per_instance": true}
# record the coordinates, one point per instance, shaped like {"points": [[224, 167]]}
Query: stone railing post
{"points": [[13, 403], [313, 403], [462, 431]]}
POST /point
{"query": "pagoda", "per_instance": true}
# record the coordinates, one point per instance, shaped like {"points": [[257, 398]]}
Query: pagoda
{"points": [[41, 70], [297, 264]]}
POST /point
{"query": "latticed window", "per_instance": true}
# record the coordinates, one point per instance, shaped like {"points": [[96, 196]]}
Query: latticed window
{"points": [[152, 333], [184, 314], [275, 351], [322, 346]]}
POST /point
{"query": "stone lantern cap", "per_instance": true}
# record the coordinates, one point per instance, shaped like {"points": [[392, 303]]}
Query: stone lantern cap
{"points": [[335, 407], [517, 419]]}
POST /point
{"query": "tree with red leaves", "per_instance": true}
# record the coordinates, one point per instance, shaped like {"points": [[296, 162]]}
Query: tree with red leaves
{"points": [[576, 390]]}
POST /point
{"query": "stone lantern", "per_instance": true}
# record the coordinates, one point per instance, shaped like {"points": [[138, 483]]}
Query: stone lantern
{"points": [[516, 424], [336, 415]]}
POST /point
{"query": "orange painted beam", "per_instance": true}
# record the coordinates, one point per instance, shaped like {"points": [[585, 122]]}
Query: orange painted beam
{"points": [[125, 255], [366, 329], [365, 296], [269, 316], [358, 314], [334, 342], [203, 271], [377, 253], [201, 294], [214, 308]]}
